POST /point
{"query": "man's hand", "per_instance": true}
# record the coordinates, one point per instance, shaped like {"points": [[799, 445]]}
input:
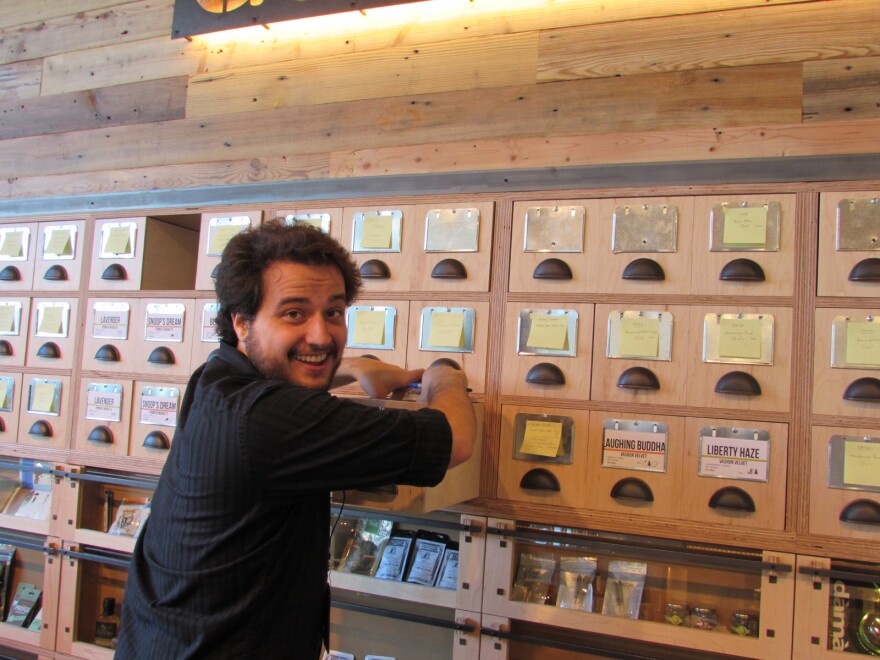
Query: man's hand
{"points": [[378, 379]]}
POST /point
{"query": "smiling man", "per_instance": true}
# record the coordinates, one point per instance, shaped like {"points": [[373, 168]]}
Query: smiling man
{"points": [[232, 562]]}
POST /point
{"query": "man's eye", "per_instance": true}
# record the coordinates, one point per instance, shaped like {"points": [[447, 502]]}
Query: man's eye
{"points": [[293, 314], [335, 314]]}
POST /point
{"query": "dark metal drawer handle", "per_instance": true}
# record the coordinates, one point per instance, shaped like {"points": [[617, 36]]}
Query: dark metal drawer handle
{"points": [[733, 498], [632, 489], [449, 269], [644, 269], [540, 479], [867, 270], [55, 273], [738, 382], [40, 429], [375, 269], [552, 269], [161, 355], [49, 350], [545, 373], [863, 389], [866, 512], [107, 353], [114, 272], [156, 440], [101, 435], [742, 270], [638, 378]]}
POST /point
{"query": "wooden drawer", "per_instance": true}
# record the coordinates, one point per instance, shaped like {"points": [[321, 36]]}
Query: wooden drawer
{"points": [[538, 481], [103, 417], [54, 333], [849, 272], [17, 247], [215, 231], [204, 337], [727, 501], [162, 345], [15, 314], [743, 265], [637, 469], [363, 330], [641, 380], [738, 386], [153, 418], [547, 376], [44, 420], [385, 263], [109, 337], [59, 255], [10, 405]]}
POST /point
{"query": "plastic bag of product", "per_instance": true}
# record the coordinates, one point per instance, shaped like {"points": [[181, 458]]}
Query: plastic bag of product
{"points": [[576, 583], [623, 588], [367, 541], [534, 578]]}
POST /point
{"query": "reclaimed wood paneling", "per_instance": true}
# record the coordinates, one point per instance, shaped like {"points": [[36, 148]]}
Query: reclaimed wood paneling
{"points": [[21, 80], [842, 90], [788, 33], [816, 138], [86, 29], [21, 13], [149, 59], [136, 103], [675, 100], [448, 66]]}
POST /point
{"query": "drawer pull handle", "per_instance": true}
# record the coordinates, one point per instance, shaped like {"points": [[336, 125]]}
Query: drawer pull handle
{"points": [[114, 272], [156, 440], [55, 273], [552, 269], [742, 270], [374, 269], [101, 435], [390, 489], [738, 382], [867, 270], [161, 355], [540, 479], [2, 425], [5, 348], [644, 269], [638, 378], [107, 353], [863, 389], [545, 373], [732, 498], [10, 274], [632, 489], [866, 512], [49, 350], [40, 429], [449, 269]]}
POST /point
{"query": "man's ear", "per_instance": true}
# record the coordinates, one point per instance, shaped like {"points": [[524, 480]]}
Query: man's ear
{"points": [[241, 326]]}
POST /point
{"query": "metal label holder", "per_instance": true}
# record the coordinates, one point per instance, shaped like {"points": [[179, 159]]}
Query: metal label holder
{"points": [[529, 321], [223, 230], [855, 342], [721, 338], [564, 452], [163, 405], [369, 229], [466, 344], [452, 230], [10, 312], [745, 227], [39, 390], [626, 325], [858, 225], [14, 240], [388, 325], [118, 240], [8, 387], [110, 320], [317, 220], [645, 228], [54, 238], [852, 463], [161, 322], [631, 444], [209, 334], [44, 309], [104, 402], [555, 229], [748, 458]]}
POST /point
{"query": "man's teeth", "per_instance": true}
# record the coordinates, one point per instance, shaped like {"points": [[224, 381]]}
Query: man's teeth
{"points": [[312, 358]]}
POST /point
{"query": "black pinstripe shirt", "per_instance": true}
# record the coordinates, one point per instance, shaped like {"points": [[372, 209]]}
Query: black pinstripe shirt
{"points": [[232, 562]]}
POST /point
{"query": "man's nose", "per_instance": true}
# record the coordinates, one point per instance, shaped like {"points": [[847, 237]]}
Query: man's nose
{"points": [[316, 331]]}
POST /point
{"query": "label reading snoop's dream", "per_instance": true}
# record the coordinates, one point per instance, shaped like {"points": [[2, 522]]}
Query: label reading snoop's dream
{"points": [[634, 450], [734, 458], [164, 327], [158, 410]]}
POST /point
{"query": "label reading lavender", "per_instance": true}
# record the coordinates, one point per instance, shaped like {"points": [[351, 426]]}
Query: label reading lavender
{"points": [[159, 409], [634, 450], [110, 321], [164, 322], [746, 459], [104, 402]]}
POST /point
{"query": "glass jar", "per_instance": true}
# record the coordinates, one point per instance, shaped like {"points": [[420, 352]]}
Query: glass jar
{"points": [[744, 623], [705, 618], [677, 614]]}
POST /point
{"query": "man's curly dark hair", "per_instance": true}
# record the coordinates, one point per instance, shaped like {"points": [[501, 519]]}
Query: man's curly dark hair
{"points": [[239, 277]]}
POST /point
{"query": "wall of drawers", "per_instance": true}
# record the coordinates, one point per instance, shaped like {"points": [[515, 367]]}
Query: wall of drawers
{"points": [[663, 314]]}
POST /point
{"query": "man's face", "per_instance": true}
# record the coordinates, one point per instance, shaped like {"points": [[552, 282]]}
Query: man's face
{"points": [[299, 331]]}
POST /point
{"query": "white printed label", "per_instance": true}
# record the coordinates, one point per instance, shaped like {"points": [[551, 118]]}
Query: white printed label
{"points": [[734, 458], [106, 406], [110, 324], [164, 327], [158, 410], [634, 450]]}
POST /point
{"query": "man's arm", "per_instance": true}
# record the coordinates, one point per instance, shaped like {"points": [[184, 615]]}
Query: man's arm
{"points": [[378, 379], [444, 388]]}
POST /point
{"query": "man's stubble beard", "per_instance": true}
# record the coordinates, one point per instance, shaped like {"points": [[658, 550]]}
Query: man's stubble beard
{"points": [[272, 371]]}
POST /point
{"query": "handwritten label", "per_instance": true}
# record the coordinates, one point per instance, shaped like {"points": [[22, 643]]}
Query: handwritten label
{"points": [[118, 241], [60, 243], [447, 329], [740, 338], [634, 450], [734, 458], [542, 438], [861, 463], [104, 405], [745, 225], [220, 237], [376, 232], [639, 337], [5, 402], [369, 327], [158, 410], [51, 320], [548, 331], [43, 398], [7, 319], [863, 343], [12, 244]]}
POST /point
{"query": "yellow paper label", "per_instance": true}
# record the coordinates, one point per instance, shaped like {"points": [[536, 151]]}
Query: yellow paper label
{"points": [[4, 394], [745, 226], [12, 244], [376, 232], [447, 329], [548, 331], [542, 438], [60, 243], [118, 241], [51, 321], [221, 235], [7, 318], [863, 343], [861, 463], [740, 338], [43, 397], [639, 337], [369, 327]]}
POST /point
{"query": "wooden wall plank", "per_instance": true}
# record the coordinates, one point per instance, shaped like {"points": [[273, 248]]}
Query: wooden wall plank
{"points": [[423, 23], [21, 80], [675, 100], [86, 29], [447, 66], [813, 139], [119, 64], [788, 33], [135, 103], [255, 170], [842, 90], [21, 13]]}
